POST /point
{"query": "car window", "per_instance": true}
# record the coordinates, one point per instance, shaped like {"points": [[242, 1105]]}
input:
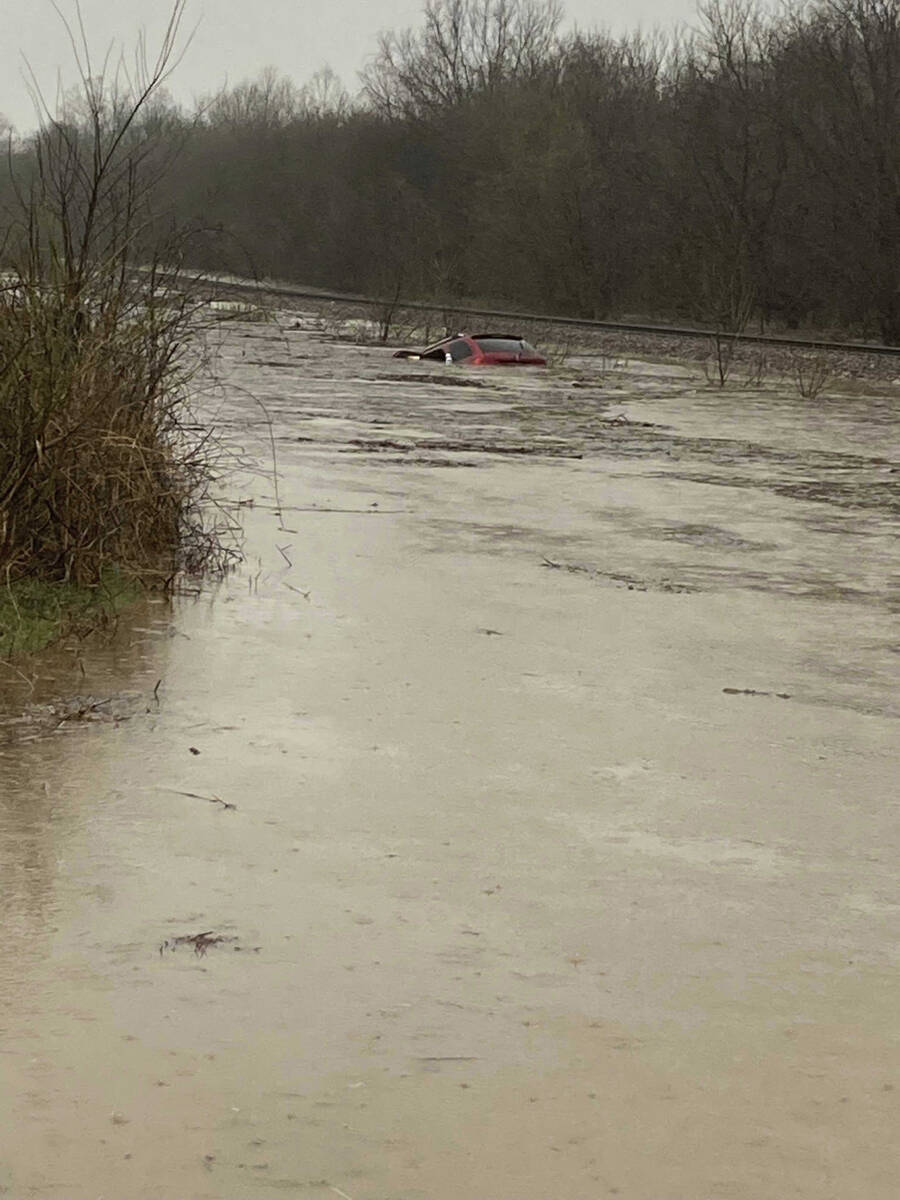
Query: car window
{"points": [[460, 350], [492, 345]]}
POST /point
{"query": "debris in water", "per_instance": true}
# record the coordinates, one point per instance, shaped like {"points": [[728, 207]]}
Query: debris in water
{"points": [[200, 941], [196, 796], [439, 1058], [632, 582], [306, 595], [730, 691]]}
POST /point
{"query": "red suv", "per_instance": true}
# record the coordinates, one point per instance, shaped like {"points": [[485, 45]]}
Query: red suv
{"points": [[481, 350]]}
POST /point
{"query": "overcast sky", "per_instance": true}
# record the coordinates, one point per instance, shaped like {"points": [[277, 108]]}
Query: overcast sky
{"points": [[235, 39]]}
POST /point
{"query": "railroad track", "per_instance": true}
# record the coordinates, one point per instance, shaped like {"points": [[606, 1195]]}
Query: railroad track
{"points": [[492, 314]]}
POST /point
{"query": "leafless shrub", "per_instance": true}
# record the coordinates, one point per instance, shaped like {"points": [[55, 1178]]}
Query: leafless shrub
{"points": [[718, 362], [100, 465], [333, 318], [416, 326], [386, 311], [730, 300], [555, 342], [812, 373], [757, 370], [353, 322]]}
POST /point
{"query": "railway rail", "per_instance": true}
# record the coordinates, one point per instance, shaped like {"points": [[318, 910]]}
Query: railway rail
{"points": [[493, 314]]}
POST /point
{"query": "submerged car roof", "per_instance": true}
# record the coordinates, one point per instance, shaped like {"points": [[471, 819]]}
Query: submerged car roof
{"points": [[506, 337], [474, 337]]}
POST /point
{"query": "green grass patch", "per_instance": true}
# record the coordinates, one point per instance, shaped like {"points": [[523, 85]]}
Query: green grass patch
{"points": [[34, 614]]}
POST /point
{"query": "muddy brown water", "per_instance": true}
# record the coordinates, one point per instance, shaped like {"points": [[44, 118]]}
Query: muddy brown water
{"points": [[518, 823]]}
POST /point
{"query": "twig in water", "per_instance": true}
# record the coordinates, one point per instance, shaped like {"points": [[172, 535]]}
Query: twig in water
{"points": [[197, 796], [299, 591], [15, 670], [337, 1191], [282, 550], [79, 714], [268, 422]]}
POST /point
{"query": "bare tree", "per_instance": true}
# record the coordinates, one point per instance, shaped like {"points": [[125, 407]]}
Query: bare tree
{"points": [[841, 66], [728, 134], [268, 102], [324, 98], [464, 47]]}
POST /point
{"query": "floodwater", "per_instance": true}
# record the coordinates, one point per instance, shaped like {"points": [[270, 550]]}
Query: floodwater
{"points": [[533, 784]]}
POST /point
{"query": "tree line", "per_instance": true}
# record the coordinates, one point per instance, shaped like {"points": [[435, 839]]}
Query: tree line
{"points": [[745, 173]]}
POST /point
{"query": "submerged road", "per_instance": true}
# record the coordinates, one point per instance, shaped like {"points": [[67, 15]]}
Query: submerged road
{"points": [[518, 823]]}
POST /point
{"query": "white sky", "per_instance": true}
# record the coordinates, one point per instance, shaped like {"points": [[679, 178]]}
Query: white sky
{"points": [[235, 39]]}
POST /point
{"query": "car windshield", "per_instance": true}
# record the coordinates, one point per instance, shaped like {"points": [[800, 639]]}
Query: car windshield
{"points": [[502, 345], [436, 349]]}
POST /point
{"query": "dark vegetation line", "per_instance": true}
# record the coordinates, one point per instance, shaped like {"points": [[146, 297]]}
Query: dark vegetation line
{"points": [[744, 175]]}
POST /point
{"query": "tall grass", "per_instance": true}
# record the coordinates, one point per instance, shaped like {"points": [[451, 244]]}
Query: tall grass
{"points": [[98, 468]]}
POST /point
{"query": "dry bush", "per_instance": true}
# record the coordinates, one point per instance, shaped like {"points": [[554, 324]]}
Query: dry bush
{"points": [[812, 373], [98, 467], [730, 300], [718, 363], [556, 342], [757, 369]]}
